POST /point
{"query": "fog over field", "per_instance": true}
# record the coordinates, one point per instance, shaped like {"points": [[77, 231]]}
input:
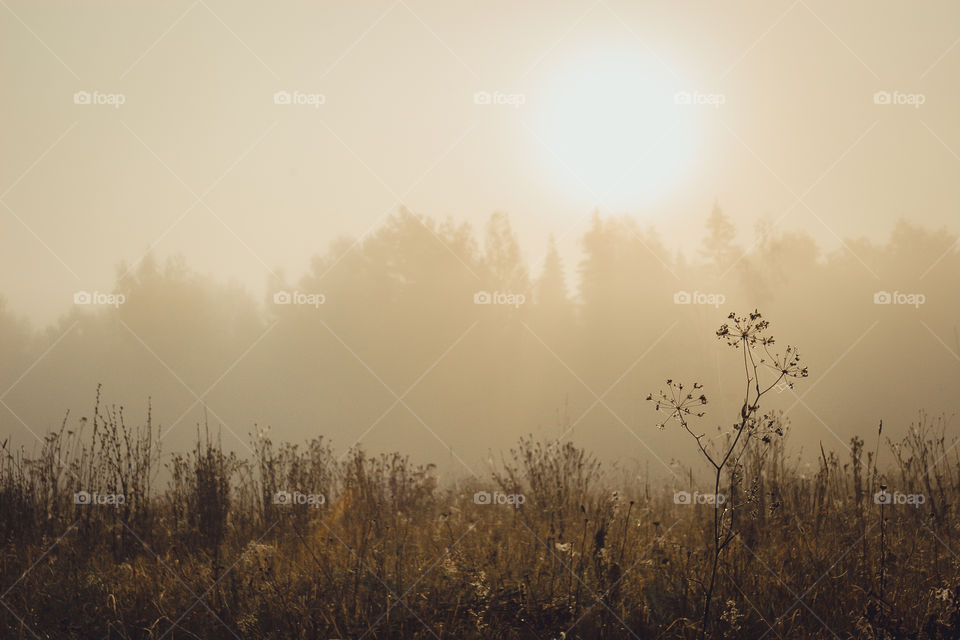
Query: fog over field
{"points": [[393, 190], [444, 341], [462, 231]]}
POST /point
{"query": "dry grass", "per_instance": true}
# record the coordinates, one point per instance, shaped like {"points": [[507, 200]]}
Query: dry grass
{"points": [[391, 554]]}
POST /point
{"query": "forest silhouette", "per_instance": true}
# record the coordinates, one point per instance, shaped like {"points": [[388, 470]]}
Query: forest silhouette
{"points": [[389, 340]]}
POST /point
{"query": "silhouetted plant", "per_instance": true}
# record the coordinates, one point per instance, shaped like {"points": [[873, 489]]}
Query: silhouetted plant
{"points": [[763, 371]]}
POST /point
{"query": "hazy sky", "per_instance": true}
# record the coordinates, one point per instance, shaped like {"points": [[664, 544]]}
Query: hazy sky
{"points": [[200, 159]]}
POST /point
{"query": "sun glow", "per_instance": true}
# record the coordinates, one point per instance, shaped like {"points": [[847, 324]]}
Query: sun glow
{"points": [[612, 131]]}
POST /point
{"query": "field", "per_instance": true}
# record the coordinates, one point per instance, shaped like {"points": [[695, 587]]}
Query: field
{"points": [[295, 542]]}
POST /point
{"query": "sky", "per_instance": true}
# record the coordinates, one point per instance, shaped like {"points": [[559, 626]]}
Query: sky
{"points": [[189, 152]]}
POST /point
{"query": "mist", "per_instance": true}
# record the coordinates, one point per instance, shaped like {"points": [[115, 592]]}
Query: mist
{"points": [[437, 319], [450, 342]]}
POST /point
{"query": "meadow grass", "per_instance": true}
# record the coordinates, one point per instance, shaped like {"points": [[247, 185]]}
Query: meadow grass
{"points": [[384, 551]]}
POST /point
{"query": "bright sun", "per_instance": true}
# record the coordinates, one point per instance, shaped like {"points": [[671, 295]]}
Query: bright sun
{"points": [[613, 132]]}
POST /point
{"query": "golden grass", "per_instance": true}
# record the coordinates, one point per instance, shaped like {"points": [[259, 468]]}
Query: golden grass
{"points": [[393, 555]]}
